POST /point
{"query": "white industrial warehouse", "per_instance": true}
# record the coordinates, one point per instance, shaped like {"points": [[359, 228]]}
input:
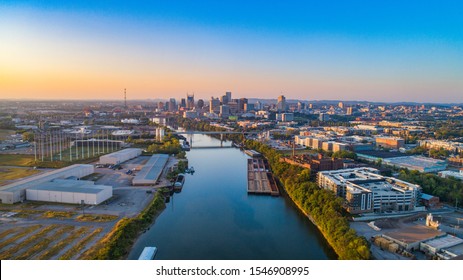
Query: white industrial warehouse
{"points": [[150, 173], [120, 156], [70, 191], [16, 192]]}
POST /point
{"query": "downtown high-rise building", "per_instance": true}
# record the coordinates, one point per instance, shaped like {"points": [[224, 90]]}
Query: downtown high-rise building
{"points": [[172, 105], [214, 105], [228, 94], [190, 101], [281, 104]]}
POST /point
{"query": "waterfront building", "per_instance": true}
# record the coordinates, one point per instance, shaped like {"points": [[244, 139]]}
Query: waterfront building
{"points": [[151, 171], [366, 191]]}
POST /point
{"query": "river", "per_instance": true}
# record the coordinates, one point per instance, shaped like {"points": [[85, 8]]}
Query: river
{"points": [[213, 217]]}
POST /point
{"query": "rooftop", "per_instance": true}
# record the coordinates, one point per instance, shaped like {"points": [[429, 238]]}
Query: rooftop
{"points": [[414, 234], [152, 169], [416, 161], [444, 242], [70, 186], [381, 154], [19, 185]]}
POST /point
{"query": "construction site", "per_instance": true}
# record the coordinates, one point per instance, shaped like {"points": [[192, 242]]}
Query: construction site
{"points": [[420, 236]]}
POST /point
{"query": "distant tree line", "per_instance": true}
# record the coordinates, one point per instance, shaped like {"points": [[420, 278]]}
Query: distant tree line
{"points": [[447, 189]]}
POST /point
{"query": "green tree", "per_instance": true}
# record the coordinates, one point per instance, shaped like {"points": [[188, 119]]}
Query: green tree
{"points": [[28, 136]]}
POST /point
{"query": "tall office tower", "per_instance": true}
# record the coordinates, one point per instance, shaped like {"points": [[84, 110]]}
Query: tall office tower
{"points": [[341, 105], [258, 105], [281, 105], [300, 106], [161, 105], [228, 94], [214, 105], [190, 101], [172, 107], [349, 110], [200, 104], [183, 103], [242, 103], [224, 111], [224, 99], [248, 107]]}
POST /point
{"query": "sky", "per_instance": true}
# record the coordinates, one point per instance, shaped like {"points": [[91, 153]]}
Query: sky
{"points": [[390, 51]]}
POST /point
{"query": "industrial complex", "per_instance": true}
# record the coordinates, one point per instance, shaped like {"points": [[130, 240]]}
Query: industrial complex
{"points": [[16, 192], [366, 191], [152, 170]]}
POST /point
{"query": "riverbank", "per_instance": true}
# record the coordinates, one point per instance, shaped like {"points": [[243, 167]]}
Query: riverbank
{"points": [[323, 208], [117, 244]]}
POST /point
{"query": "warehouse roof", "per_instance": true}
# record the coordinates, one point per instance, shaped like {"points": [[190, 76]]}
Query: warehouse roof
{"points": [[70, 186], [19, 185], [121, 152], [152, 169]]}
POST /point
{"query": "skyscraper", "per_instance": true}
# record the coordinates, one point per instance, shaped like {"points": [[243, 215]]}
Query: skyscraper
{"points": [[172, 107], [281, 105], [182, 103], [229, 97], [200, 104], [242, 103], [190, 101], [349, 111], [214, 105], [224, 99]]}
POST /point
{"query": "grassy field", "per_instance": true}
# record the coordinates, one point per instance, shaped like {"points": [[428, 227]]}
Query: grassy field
{"points": [[16, 160], [102, 218], [4, 133], [7, 174]]}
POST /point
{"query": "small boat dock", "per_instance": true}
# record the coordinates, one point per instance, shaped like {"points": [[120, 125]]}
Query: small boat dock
{"points": [[260, 179]]}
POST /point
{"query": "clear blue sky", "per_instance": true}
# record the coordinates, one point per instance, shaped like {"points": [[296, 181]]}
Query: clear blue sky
{"points": [[350, 50]]}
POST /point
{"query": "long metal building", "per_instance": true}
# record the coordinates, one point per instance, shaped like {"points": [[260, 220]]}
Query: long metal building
{"points": [[120, 156], [16, 192], [150, 173], [70, 191]]}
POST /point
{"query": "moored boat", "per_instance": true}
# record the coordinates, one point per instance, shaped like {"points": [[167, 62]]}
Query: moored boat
{"points": [[179, 181]]}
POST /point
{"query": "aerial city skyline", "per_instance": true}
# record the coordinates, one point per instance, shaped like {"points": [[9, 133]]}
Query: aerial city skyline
{"points": [[304, 50], [231, 138]]}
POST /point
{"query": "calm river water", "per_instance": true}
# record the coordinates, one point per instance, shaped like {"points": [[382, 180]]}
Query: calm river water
{"points": [[214, 217]]}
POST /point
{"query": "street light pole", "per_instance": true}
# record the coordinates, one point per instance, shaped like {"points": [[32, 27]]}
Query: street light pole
{"points": [[82, 203]]}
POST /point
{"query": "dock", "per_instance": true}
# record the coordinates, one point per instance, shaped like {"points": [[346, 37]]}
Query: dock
{"points": [[260, 179], [252, 153]]}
